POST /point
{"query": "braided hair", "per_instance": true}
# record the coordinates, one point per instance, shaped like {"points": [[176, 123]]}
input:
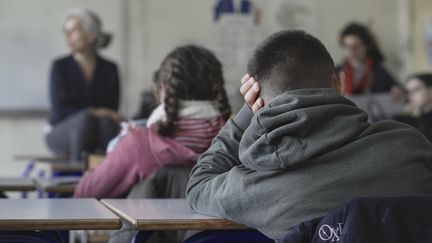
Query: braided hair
{"points": [[190, 73]]}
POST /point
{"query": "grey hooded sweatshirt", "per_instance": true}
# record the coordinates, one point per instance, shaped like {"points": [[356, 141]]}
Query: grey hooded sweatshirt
{"points": [[302, 155]]}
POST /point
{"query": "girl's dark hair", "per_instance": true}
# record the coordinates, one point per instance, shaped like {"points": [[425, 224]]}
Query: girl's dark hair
{"points": [[426, 78], [190, 73], [148, 104], [361, 31]]}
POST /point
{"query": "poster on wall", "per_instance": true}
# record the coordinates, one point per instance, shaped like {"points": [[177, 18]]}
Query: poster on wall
{"points": [[237, 30], [240, 25], [297, 14]]}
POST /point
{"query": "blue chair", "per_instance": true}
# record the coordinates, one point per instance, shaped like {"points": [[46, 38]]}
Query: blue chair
{"points": [[41, 174], [229, 236]]}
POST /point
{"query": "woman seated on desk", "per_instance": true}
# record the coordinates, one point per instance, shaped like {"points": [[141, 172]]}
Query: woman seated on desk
{"points": [[361, 70], [419, 88], [194, 108], [84, 89]]}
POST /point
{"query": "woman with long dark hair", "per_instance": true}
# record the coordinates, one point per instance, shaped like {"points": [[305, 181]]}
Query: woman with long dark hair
{"points": [[362, 68]]}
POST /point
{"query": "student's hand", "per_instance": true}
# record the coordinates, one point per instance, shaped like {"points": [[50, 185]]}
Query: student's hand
{"points": [[250, 89]]}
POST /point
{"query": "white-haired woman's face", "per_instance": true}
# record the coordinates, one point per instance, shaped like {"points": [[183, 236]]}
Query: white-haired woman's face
{"points": [[77, 38]]}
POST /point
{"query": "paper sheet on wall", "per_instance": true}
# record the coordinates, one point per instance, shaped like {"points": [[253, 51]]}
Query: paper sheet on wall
{"points": [[236, 37], [237, 33], [297, 14]]}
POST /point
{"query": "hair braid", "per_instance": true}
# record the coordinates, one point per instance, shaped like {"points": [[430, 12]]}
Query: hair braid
{"points": [[218, 88], [171, 100], [190, 73]]}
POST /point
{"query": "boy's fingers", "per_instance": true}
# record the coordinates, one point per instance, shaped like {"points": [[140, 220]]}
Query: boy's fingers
{"points": [[251, 95], [259, 103], [245, 78], [246, 86]]}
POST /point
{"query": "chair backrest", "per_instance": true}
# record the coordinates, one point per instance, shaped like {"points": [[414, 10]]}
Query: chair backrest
{"points": [[169, 182]]}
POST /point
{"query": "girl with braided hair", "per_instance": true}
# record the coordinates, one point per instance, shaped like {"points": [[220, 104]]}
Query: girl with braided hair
{"points": [[194, 107]]}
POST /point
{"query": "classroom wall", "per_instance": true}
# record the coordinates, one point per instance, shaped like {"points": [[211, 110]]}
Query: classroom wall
{"points": [[157, 27], [32, 37], [19, 136], [154, 27], [422, 16]]}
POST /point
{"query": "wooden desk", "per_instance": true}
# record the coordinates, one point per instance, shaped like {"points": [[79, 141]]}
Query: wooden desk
{"points": [[62, 184], [165, 214], [34, 158], [94, 160], [56, 214], [58, 166], [16, 184]]}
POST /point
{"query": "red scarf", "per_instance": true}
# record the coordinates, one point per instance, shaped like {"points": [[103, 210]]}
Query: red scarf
{"points": [[364, 83]]}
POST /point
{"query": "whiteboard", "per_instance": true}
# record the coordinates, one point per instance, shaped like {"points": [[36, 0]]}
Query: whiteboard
{"points": [[31, 38]]}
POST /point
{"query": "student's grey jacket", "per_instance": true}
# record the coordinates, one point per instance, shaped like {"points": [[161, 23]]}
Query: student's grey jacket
{"points": [[300, 157]]}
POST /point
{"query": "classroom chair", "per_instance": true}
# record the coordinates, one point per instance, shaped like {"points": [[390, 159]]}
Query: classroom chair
{"points": [[33, 171], [169, 182]]}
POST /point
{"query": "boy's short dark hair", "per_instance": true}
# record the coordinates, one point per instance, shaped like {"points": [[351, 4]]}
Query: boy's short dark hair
{"points": [[290, 60]]}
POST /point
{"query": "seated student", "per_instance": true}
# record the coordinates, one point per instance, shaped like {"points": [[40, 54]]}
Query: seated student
{"points": [[307, 150], [194, 108], [419, 88], [85, 90], [362, 67]]}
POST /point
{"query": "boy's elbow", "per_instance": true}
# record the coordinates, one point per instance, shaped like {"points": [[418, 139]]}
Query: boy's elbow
{"points": [[197, 190], [204, 196], [192, 192]]}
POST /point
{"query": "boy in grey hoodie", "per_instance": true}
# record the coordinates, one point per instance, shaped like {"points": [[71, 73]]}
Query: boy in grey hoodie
{"points": [[305, 149]]}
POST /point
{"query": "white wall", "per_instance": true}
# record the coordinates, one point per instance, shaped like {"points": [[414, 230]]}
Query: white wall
{"points": [[157, 26], [151, 28], [19, 136], [31, 37], [422, 17]]}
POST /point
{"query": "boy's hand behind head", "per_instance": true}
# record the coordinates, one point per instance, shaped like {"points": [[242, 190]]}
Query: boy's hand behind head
{"points": [[250, 89]]}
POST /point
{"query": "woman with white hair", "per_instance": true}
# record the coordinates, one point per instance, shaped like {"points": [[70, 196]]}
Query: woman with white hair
{"points": [[84, 90]]}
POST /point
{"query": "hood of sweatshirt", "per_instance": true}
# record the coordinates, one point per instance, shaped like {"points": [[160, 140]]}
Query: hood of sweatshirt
{"points": [[299, 125]]}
